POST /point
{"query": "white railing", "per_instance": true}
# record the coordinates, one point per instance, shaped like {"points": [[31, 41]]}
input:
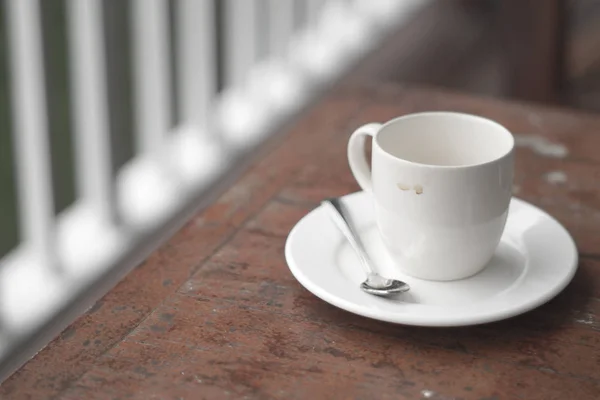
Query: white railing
{"points": [[277, 56]]}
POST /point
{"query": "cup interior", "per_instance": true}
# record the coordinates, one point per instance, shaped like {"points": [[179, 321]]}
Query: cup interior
{"points": [[445, 139]]}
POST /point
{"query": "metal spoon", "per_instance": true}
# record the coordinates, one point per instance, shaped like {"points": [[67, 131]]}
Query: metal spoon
{"points": [[375, 283]]}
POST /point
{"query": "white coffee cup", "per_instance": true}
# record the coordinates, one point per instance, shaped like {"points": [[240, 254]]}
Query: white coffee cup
{"points": [[441, 184]]}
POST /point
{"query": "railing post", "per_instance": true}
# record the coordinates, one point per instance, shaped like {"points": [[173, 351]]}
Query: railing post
{"points": [[281, 25], [34, 182], [240, 39], [151, 73], [89, 91], [197, 60]]}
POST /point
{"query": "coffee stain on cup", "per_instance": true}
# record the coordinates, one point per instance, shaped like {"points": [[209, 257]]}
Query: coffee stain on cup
{"points": [[418, 189], [404, 187]]}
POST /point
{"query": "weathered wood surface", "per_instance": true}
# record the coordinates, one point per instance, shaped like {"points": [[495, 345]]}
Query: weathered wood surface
{"points": [[215, 313]]}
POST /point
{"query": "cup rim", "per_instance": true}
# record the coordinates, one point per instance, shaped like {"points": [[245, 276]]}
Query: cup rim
{"points": [[502, 128]]}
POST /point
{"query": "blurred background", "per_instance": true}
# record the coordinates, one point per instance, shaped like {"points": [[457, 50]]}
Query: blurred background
{"points": [[545, 51]]}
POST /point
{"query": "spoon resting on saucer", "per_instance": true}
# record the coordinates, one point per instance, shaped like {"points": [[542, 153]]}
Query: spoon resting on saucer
{"points": [[374, 284]]}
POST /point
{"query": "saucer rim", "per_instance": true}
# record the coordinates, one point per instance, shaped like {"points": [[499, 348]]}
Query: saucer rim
{"points": [[449, 320]]}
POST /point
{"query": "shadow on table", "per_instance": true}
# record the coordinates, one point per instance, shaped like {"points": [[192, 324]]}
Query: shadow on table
{"points": [[561, 323]]}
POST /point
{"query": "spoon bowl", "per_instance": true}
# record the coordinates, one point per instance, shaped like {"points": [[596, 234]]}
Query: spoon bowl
{"points": [[380, 286]]}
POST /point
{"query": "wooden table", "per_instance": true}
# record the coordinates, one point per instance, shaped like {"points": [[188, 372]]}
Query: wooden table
{"points": [[215, 312]]}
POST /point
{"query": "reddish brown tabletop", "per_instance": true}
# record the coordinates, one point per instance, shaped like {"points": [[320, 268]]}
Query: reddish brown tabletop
{"points": [[215, 313]]}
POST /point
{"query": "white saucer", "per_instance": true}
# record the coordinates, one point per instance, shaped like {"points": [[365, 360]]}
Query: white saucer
{"points": [[535, 260]]}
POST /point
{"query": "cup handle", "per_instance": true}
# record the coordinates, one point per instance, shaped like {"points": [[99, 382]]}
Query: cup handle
{"points": [[359, 164]]}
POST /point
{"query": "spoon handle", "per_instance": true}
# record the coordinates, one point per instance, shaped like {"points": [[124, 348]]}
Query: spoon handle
{"points": [[342, 219]]}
